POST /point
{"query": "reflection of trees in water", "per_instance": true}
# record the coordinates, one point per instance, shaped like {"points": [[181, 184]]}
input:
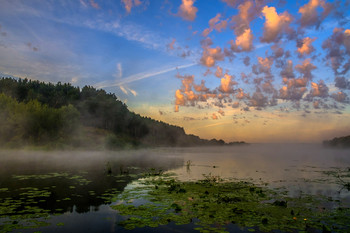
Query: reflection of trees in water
{"points": [[72, 186]]}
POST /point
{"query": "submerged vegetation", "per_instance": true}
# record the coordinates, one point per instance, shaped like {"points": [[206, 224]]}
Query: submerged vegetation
{"points": [[342, 177], [33, 204], [27, 207], [61, 115], [212, 205]]}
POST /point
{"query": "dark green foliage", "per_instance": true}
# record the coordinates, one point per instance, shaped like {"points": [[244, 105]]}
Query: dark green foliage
{"points": [[35, 123], [341, 142], [120, 142], [38, 112], [46, 93]]}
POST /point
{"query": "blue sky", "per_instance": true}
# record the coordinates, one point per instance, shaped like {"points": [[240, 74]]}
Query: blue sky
{"points": [[259, 71]]}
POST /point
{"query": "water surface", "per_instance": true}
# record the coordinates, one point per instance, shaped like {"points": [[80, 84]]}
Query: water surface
{"points": [[74, 191]]}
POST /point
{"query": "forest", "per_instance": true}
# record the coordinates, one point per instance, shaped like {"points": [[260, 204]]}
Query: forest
{"points": [[338, 142], [39, 114]]}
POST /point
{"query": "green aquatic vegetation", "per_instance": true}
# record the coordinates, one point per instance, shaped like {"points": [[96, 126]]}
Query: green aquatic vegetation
{"points": [[25, 208], [341, 176], [16, 216], [110, 195], [20, 222], [34, 192], [23, 211], [153, 172], [40, 176], [211, 205], [78, 178], [211, 178]]}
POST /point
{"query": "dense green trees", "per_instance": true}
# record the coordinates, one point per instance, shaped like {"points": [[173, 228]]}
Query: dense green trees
{"points": [[338, 142], [41, 113], [35, 123]]}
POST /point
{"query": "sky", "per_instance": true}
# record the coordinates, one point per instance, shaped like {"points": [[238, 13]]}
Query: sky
{"points": [[254, 70]]}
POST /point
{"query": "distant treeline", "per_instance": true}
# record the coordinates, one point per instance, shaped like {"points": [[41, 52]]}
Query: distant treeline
{"points": [[341, 142], [38, 113]]}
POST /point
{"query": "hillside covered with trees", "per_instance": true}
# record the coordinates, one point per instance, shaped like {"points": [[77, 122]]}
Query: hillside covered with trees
{"points": [[35, 113], [338, 142]]}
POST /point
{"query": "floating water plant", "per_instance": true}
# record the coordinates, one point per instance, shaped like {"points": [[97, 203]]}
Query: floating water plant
{"points": [[153, 172], [342, 177], [26, 208], [212, 206]]}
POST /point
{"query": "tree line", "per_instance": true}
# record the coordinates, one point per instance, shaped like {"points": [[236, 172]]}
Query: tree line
{"points": [[338, 142], [34, 112]]}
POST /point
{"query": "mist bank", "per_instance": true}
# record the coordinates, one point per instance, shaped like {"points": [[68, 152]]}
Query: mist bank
{"points": [[338, 142], [38, 114]]}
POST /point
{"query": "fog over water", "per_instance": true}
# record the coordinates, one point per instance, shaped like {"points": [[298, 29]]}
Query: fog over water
{"points": [[276, 164], [22, 162], [77, 179], [293, 166]]}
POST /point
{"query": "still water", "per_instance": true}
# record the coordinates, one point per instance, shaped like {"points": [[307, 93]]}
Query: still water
{"points": [[74, 191]]}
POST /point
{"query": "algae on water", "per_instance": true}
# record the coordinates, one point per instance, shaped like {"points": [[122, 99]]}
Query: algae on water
{"points": [[212, 206]]}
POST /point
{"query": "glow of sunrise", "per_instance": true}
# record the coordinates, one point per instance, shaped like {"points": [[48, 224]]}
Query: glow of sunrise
{"points": [[255, 70]]}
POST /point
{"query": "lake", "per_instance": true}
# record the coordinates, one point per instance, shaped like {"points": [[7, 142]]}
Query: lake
{"points": [[177, 190]]}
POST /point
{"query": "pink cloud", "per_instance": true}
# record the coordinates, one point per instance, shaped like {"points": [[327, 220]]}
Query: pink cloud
{"points": [[241, 95], [305, 47], [215, 24], [233, 3], [211, 55], [340, 97], [235, 105], [201, 87], [306, 68], [288, 71], [310, 15], [218, 72], [94, 4], [221, 112], [275, 24], [227, 84], [291, 92], [187, 11], [170, 46], [240, 24], [244, 41], [338, 50], [129, 4], [320, 89]]}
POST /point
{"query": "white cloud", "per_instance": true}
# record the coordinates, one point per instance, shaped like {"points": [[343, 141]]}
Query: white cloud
{"points": [[130, 32], [127, 30]]}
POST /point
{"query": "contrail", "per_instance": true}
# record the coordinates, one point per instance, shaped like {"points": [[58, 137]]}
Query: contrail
{"points": [[211, 125], [139, 76]]}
